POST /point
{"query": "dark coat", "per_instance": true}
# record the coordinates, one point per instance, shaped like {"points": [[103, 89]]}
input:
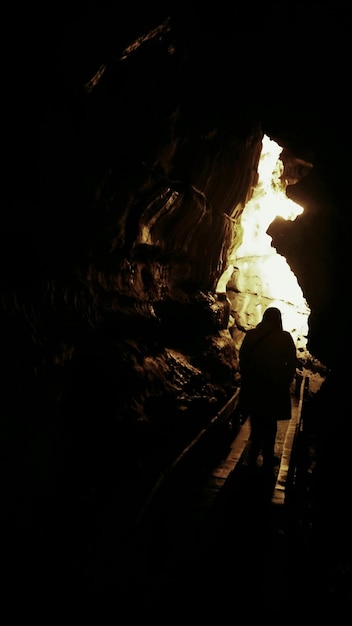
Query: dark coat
{"points": [[267, 361]]}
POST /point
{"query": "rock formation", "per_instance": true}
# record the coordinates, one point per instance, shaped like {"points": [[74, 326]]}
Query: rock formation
{"points": [[131, 147]]}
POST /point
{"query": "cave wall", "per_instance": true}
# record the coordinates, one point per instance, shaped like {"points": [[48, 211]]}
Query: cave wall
{"points": [[130, 146], [119, 215]]}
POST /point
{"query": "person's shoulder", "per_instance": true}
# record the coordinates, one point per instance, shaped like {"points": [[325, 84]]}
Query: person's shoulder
{"points": [[282, 336], [288, 337], [249, 333]]}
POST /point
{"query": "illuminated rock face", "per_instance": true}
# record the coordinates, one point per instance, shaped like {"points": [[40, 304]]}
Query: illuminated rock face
{"points": [[260, 276]]}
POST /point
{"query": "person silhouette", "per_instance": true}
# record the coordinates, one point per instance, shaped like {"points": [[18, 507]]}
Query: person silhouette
{"points": [[267, 364]]}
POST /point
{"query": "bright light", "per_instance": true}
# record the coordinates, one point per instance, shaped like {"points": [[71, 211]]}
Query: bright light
{"points": [[268, 202], [260, 275]]}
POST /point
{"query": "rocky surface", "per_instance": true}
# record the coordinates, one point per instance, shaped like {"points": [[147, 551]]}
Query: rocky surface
{"points": [[130, 147]]}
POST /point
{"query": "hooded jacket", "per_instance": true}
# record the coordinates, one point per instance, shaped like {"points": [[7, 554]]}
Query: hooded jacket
{"points": [[267, 361]]}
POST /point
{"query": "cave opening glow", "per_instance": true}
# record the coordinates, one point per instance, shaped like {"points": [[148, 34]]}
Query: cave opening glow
{"points": [[257, 275]]}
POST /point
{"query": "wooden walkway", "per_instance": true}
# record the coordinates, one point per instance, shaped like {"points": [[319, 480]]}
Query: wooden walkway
{"points": [[237, 456], [230, 545]]}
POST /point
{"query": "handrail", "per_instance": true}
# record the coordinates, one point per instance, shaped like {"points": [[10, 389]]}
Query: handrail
{"points": [[221, 417]]}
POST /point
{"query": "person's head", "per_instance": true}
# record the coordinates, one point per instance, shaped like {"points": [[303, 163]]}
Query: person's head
{"points": [[272, 317]]}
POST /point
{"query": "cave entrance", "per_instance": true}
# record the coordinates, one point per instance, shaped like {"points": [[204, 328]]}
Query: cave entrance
{"points": [[257, 275]]}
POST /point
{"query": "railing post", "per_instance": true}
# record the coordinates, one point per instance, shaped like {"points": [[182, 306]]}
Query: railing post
{"points": [[298, 382]]}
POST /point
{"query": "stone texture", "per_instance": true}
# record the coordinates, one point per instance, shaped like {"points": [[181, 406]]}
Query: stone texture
{"points": [[130, 146]]}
